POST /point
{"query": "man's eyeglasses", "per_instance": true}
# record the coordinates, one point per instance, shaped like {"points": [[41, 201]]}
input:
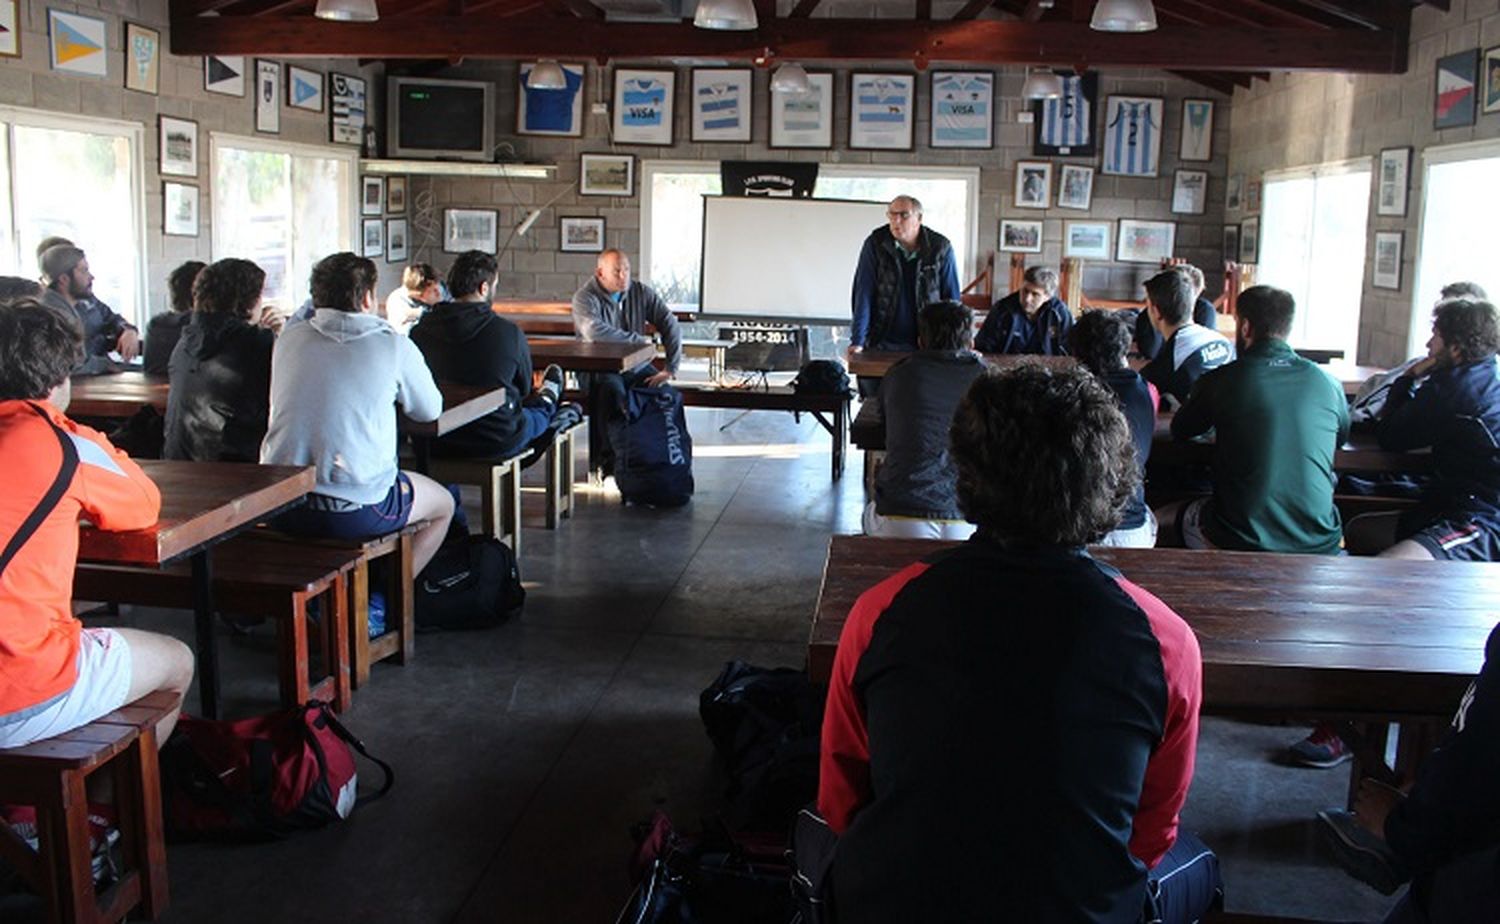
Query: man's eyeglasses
{"points": [[903, 214]]}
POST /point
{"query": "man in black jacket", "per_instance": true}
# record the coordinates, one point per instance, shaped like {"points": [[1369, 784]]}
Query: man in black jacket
{"points": [[902, 267], [1031, 319]]}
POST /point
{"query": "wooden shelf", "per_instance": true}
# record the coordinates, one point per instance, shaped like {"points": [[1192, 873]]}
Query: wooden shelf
{"points": [[460, 168]]}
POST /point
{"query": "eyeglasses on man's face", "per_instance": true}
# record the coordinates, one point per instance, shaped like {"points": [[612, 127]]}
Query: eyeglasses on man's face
{"points": [[899, 214]]}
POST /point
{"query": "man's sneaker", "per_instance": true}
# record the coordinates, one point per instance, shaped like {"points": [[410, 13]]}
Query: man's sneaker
{"points": [[1322, 749], [104, 834], [552, 383], [1362, 855]]}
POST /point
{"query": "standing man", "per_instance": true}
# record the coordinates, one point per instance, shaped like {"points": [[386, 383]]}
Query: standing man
{"points": [[70, 288], [1190, 349], [902, 267], [1031, 319]]}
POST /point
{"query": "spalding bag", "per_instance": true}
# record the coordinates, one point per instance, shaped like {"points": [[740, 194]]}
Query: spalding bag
{"points": [[264, 777], [653, 452], [471, 583]]}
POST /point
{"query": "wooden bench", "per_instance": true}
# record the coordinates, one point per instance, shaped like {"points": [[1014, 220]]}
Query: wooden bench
{"points": [[781, 398], [260, 577], [703, 348], [51, 776]]}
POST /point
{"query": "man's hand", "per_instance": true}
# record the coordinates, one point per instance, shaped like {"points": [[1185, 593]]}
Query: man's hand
{"points": [[273, 321], [853, 351], [129, 344], [1424, 366], [660, 378]]}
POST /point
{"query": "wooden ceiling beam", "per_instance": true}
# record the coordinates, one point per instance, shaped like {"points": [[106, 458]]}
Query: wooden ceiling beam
{"points": [[1364, 14], [1291, 13], [1220, 83], [972, 9], [583, 9], [804, 9], [923, 9], [1207, 14]]}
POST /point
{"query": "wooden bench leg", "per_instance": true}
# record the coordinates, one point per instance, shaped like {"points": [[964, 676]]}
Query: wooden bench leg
{"points": [[67, 867], [291, 653], [399, 605], [138, 801], [554, 457], [491, 496], [336, 642], [508, 486], [359, 625], [569, 472]]}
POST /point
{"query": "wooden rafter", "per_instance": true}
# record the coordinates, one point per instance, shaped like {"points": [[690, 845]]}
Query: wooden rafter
{"points": [[972, 9], [804, 9]]}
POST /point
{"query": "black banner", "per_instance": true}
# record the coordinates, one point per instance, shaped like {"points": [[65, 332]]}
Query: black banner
{"points": [[790, 179]]}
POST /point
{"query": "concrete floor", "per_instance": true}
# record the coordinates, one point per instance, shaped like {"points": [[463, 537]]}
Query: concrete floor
{"points": [[524, 754]]}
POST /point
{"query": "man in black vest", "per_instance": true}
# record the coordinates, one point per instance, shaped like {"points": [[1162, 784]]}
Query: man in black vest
{"points": [[902, 267]]}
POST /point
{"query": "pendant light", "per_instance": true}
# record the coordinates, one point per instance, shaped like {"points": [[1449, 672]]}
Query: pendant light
{"points": [[790, 78], [347, 10], [726, 15], [1124, 16], [1042, 84], [546, 75]]}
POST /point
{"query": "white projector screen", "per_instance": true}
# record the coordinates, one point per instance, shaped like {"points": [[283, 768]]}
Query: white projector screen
{"points": [[782, 259]]}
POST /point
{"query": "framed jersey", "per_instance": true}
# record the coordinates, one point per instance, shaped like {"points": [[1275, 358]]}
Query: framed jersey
{"points": [[1132, 135], [1064, 127]]}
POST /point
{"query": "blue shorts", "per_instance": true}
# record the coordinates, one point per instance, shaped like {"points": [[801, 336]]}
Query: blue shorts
{"points": [[320, 517], [1456, 537]]}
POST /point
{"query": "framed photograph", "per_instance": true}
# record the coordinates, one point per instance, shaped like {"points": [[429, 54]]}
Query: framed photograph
{"points": [[77, 44], [1457, 93], [1020, 236], [581, 235], [1197, 130], [1190, 192], [1065, 127], [1132, 135], [1252, 196], [882, 111], [469, 229], [1088, 240], [304, 88], [1490, 100], [1387, 260], [1145, 241], [721, 103], [1233, 191], [179, 147], [142, 56], [346, 107], [373, 237], [10, 30], [963, 109], [607, 175], [371, 195], [395, 240], [179, 209], [550, 112], [1395, 181], [1033, 184], [395, 195], [1249, 240], [804, 120], [224, 74], [1231, 252], [267, 96], [643, 106], [1075, 187]]}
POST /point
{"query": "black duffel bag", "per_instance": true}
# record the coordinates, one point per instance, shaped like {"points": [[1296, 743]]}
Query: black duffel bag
{"points": [[473, 582]]}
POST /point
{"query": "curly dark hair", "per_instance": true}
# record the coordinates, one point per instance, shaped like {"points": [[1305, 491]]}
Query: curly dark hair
{"points": [[1469, 326], [946, 325], [470, 272], [229, 286], [180, 284], [342, 280], [1172, 294], [1099, 340], [19, 287], [39, 348], [1044, 456], [1473, 291]]}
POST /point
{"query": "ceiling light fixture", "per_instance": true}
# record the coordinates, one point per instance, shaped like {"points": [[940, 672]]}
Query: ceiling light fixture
{"points": [[1124, 16], [1042, 84], [726, 15], [790, 78], [546, 75], [347, 10]]}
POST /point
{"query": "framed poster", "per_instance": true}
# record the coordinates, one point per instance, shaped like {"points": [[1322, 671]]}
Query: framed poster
{"points": [[1033, 184], [643, 106], [1387, 260], [1020, 236], [581, 235], [371, 195], [1490, 99], [1132, 135], [469, 229], [1075, 187], [1145, 241], [804, 120], [1249, 240], [346, 121], [179, 147], [224, 74], [882, 111], [1190, 192], [607, 175], [1231, 251], [10, 30], [1086, 239], [1395, 181], [550, 112], [267, 96], [1457, 92], [1197, 130], [1234, 191], [373, 237], [395, 240], [963, 109], [1252, 196], [1064, 127], [77, 44], [395, 195], [142, 58], [721, 103], [179, 209], [304, 88]]}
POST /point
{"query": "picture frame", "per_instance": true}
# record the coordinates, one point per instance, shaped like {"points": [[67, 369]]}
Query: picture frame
{"points": [[606, 175], [371, 195], [1234, 189], [470, 229], [76, 43], [267, 96], [10, 29], [804, 120], [1068, 125], [372, 236], [1020, 236], [224, 74], [1135, 122], [1197, 141], [962, 107], [1142, 241], [304, 89], [1249, 240], [722, 103], [580, 234], [142, 56], [882, 111], [1386, 271], [1252, 196], [1033, 184], [395, 195], [1490, 67], [1393, 182], [179, 209], [1087, 240], [397, 240], [1231, 251], [1075, 187], [1190, 192], [643, 106], [1456, 90], [551, 112], [178, 146], [346, 109]]}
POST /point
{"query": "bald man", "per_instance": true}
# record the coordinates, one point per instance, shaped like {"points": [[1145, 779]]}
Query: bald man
{"points": [[903, 267]]}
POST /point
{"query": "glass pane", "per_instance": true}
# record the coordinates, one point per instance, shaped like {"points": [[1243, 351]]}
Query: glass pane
{"points": [[1456, 194], [1286, 235], [321, 223], [945, 205], [677, 233], [11, 263], [253, 214], [1329, 315]]}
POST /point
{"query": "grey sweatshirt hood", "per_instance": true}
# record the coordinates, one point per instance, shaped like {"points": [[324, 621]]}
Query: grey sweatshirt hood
{"points": [[344, 326]]}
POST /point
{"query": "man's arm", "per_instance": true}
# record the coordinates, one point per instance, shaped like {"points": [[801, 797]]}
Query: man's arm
{"points": [[114, 493], [1412, 413], [1196, 416], [665, 322], [988, 339], [416, 390], [863, 295], [1064, 326], [589, 320], [949, 287]]}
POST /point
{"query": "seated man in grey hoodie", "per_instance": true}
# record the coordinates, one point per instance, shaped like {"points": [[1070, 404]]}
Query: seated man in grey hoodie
{"points": [[335, 382]]}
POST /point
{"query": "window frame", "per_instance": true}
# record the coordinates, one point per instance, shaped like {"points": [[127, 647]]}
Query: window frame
{"points": [[1419, 325]]}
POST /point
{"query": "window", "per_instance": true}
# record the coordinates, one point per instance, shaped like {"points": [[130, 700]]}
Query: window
{"points": [[77, 178], [1460, 186], [672, 213], [285, 206], [1312, 243]]}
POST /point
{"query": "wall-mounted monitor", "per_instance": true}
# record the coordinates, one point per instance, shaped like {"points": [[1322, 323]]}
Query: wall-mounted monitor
{"points": [[440, 119]]}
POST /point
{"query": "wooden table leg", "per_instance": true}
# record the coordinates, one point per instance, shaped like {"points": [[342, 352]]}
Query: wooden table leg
{"points": [[203, 617]]}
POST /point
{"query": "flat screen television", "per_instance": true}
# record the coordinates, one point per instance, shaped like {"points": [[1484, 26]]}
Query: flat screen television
{"points": [[440, 119]]}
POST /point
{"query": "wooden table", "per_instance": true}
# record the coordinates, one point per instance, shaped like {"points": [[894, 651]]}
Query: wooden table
{"points": [[544, 324], [117, 395], [873, 364], [462, 404], [1352, 376], [202, 503], [578, 356]]}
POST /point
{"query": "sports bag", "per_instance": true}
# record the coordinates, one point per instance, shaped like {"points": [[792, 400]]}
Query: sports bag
{"points": [[472, 582], [716, 878], [653, 451], [822, 377], [264, 777]]}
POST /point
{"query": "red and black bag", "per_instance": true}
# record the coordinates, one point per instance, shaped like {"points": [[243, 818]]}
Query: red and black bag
{"points": [[264, 777]]}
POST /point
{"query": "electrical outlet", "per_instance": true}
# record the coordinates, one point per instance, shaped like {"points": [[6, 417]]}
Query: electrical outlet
{"points": [[600, 109]]}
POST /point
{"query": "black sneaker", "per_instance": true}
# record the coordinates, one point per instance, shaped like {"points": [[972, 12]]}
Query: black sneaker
{"points": [[1361, 854], [552, 383]]}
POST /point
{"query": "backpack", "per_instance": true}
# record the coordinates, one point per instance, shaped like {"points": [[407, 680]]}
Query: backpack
{"points": [[822, 377], [473, 582], [264, 777], [653, 451], [715, 878]]}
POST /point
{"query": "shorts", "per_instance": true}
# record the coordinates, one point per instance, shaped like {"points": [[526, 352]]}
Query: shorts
{"points": [[895, 527], [104, 670], [319, 517], [1138, 537], [1190, 521], [1458, 538]]}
